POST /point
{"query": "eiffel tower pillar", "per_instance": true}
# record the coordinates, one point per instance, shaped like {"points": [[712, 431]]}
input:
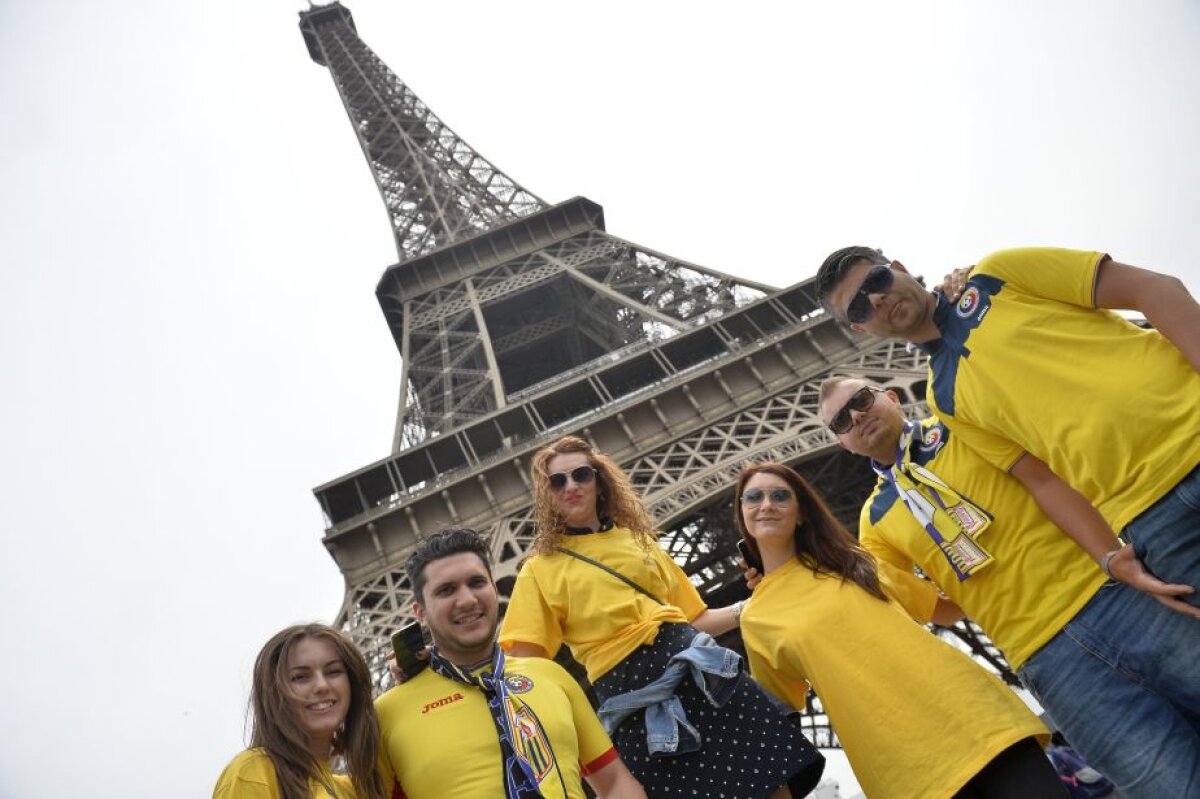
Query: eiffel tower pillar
{"points": [[518, 321]]}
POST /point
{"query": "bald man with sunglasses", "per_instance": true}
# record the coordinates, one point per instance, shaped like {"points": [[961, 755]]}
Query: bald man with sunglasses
{"points": [[1114, 669]]}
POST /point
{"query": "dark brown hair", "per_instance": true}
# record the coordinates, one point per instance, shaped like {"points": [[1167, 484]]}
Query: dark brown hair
{"points": [[278, 731], [442, 544], [822, 543], [835, 268]]}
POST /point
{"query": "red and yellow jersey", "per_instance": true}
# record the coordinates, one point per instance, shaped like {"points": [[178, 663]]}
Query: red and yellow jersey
{"points": [[438, 738]]}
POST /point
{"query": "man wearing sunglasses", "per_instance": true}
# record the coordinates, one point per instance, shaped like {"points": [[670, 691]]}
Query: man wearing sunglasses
{"points": [[1097, 418], [1115, 670]]}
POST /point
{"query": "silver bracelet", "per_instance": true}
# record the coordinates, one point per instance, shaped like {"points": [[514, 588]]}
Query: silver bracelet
{"points": [[1106, 560], [737, 609]]}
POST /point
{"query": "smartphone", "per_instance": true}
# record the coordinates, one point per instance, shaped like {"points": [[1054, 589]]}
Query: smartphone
{"points": [[748, 556], [406, 643]]}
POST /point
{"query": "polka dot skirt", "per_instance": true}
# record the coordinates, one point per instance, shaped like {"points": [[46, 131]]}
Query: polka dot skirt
{"points": [[750, 748]]}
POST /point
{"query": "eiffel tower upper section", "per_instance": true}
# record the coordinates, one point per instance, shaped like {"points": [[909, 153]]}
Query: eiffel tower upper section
{"points": [[495, 291]]}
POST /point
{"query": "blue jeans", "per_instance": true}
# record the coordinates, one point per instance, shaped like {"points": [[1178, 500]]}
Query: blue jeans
{"points": [[713, 668], [1121, 681], [1166, 536]]}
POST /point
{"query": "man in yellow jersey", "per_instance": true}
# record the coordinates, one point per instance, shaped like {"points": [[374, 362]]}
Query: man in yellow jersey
{"points": [[1115, 670], [478, 725], [1098, 418]]}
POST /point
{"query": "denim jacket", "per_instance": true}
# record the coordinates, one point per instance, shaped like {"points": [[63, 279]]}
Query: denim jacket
{"points": [[713, 668]]}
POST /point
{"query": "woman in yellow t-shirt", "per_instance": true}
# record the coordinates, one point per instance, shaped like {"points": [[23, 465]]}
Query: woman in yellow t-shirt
{"points": [[600, 583], [311, 701], [916, 716]]}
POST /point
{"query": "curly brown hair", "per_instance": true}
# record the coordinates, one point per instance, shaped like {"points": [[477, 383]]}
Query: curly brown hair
{"points": [[278, 730], [822, 543], [616, 498]]}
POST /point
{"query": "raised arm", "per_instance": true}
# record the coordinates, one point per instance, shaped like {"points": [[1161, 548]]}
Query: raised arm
{"points": [[1077, 517], [1162, 299]]}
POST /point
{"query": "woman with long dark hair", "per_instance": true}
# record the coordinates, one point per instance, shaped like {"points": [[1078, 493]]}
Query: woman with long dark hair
{"points": [[684, 716], [916, 717], [311, 701]]}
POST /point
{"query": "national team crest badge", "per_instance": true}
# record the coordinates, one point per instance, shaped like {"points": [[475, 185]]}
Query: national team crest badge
{"points": [[518, 683], [968, 303]]}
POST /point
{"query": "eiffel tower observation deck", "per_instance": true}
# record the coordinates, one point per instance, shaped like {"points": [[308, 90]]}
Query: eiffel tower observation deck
{"points": [[518, 321]]}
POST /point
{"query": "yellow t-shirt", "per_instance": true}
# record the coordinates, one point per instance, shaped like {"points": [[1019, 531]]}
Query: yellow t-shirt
{"points": [[438, 739], [558, 598], [1027, 363], [251, 775], [917, 717], [1038, 580]]}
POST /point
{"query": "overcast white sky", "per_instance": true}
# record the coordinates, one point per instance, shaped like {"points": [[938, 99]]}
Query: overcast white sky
{"points": [[191, 239]]}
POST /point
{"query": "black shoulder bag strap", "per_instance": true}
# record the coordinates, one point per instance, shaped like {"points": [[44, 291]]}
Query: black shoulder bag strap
{"points": [[613, 572]]}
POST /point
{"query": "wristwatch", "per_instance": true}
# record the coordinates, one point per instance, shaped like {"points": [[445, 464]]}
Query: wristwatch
{"points": [[1106, 558]]}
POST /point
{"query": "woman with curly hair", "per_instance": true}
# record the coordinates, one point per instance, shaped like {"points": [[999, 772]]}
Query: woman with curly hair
{"points": [[683, 714], [915, 715], [311, 701]]}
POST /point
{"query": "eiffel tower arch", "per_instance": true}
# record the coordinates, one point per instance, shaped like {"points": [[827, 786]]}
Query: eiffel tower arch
{"points": [[518, 321]]}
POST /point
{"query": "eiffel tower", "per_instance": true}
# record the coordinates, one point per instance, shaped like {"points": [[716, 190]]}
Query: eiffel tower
{"points": [[519, 321]]}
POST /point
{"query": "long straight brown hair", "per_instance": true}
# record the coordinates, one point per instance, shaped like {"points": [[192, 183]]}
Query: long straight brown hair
{"points": [[822, 543], [278, 730]]}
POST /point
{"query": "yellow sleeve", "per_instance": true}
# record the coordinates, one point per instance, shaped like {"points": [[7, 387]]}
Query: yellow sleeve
{"points": [[682, 594], [529, 617], [791, 691], [1051, 272], [386, 773], [594, 743], [918, 597], [875, 544], [250, 775], [239, 788]]}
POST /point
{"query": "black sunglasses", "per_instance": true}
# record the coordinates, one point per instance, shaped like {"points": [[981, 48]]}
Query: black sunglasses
{"points": [[778, 496], [859, 401], [580, 475], [878, 281]]}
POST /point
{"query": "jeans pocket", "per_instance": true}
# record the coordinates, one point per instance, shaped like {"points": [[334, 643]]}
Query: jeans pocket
{"points": [[1188, 490]]}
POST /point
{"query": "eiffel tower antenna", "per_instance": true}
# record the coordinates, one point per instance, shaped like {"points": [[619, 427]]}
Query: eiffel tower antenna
{"points": [[518, 321]]}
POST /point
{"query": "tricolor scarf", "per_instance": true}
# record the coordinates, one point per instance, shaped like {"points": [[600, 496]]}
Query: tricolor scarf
{"points": [[520, 781], [951, 520]]}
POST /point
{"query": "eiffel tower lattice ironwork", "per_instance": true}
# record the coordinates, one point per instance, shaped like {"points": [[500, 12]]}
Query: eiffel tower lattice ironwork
{"points": [[519, 321]]}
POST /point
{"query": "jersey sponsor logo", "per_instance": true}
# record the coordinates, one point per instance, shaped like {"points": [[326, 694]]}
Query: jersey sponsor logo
{"points": [[518, 683], [968, 302], [445, 700], [532, 743]]}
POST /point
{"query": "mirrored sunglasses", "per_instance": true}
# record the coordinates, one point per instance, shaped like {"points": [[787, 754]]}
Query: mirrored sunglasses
{"points": [[778, 496]]}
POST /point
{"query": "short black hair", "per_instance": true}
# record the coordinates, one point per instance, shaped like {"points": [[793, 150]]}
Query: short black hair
{"points": [[442, 544], [835, 267]]}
